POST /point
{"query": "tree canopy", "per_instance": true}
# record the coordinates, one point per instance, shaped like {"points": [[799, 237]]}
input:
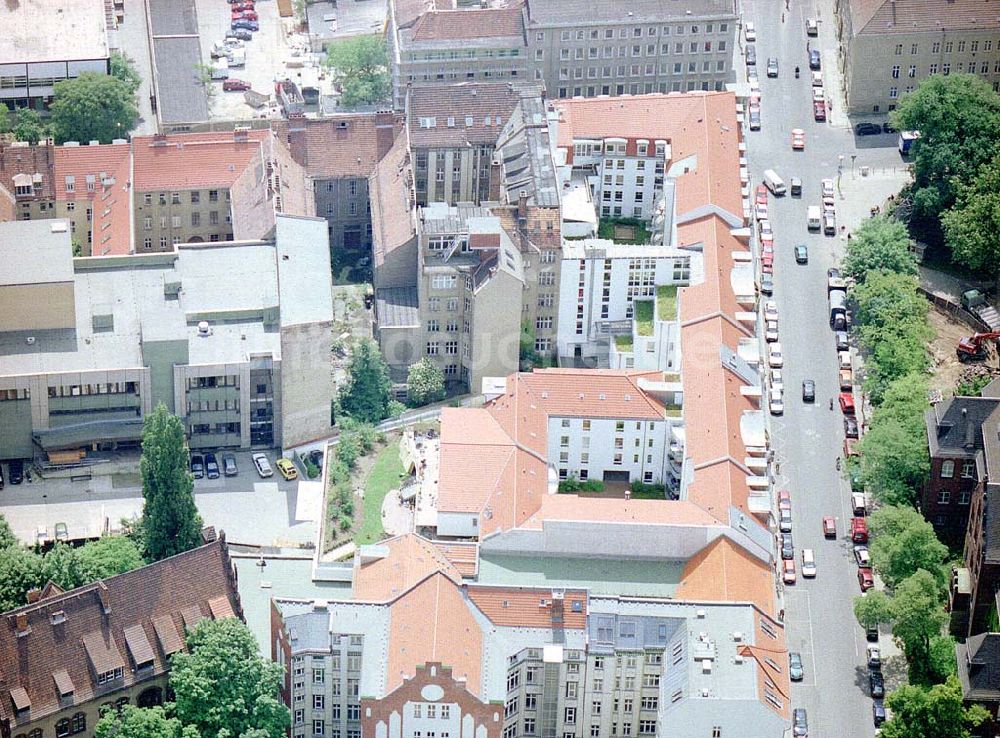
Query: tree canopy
{"points": [[910, 546], [28, 126], [170, 519], [958, 116], [123, 68], [361, 68], [223, 687], [367, 394], [872, 609], [425, 382], [92, 107], [887, 299], [917, 614], [7, 537], [935, 712], [141, 722], [972, 225], [895, 462], [20, 570], [107, 557], [882, 244]]}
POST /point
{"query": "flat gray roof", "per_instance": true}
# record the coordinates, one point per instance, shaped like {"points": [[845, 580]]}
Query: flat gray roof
{"points": [[349, 19], [396, 307], [572, 13], [232, 286], [35, 251], [44, 31], [180, 95], [174, 17]]}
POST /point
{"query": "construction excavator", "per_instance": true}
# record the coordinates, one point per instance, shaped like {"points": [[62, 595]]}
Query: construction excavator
{"points": [[975, 347]]}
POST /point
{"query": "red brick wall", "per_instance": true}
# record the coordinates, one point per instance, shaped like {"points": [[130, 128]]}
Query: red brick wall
{"points": [[279, 642], [950, 519]]}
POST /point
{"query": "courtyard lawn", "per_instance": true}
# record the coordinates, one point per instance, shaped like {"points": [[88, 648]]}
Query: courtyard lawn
{"points": [[386, 474]]}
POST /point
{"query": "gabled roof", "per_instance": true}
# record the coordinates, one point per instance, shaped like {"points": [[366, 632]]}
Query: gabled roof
{"points": [[390, 190], [342, 145], [979, 667], [456, 25], [870, 17], [470, 104], [20, 158], [194, 160], [724, 571], [98, 176], [68, 638], [531, 607], [386, 570]]}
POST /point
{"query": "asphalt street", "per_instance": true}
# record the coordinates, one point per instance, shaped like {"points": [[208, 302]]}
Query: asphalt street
{"points": [[808, 438]]}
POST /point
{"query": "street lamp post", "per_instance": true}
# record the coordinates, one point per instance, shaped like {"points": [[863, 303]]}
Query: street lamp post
{"points": [[853, 157], [840, 171]]}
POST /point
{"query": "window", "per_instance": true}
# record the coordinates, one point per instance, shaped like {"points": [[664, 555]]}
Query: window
{"points": [[432, 348], [195, 197], [571, 690], [893, 93], [717, 731], [433, 326], [895, 72], [318, 702], [319, 676], [944, 497], [647, 727], [444, 281], [968, 469], [899, 49], [912, 71], [947, 469], [569, 715], [451, 347]]}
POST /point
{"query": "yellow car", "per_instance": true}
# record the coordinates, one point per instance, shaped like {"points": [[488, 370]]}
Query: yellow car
{"points": [[287, 469]]}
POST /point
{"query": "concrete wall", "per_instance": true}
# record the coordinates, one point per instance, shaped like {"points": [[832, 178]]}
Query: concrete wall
{"points": [[159, 232], [335, 200], [306, 383], [15, 429], [161, 357], [400, 266], [496, 330], [460, 525]]}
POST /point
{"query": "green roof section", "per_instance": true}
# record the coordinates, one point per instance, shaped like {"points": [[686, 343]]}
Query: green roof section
{"points": [[643, 317], [624, 342], [605, 577], [666, 302]]}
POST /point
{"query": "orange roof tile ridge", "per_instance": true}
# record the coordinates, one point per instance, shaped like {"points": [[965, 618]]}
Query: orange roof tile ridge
{"points": [[721, 460], [722, 315]]}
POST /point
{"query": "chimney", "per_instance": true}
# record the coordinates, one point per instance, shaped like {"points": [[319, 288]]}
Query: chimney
{"points": [[22, 626], [970, 430], [522, 204], [159, 139], [892, 4], [102, 592], [385, 133], [34, 595]]}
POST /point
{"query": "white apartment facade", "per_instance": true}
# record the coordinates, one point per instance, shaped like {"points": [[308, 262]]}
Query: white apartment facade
{"points": [[609, 449], [627, 176]]}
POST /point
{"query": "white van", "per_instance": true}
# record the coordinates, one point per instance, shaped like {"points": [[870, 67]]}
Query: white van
{"points": [[774, 182], [813, 215], [817, 79], [237, 58], [220, 70]]}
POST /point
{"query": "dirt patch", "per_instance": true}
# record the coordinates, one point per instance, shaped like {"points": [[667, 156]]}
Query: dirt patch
{"points": [[944, 363]]}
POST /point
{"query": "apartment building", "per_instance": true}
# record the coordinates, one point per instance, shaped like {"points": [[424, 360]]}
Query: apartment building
{"points": [[436, 44], [40, 48], [888, 46], [460, 284], [588, 49], [70, 656], [418, 648], [27, 180], [977, 673], [228, 336], [453, 134], [339, 154], [572, 49]]}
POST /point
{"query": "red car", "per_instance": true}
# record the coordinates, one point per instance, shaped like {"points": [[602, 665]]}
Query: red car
{"points": [[847, 403], [244, 15], [829, 527], [788, 571], [865, 579], [819, 110], [243, 5], [235, 85], [859, 530], [761, 195], [784, 500]]}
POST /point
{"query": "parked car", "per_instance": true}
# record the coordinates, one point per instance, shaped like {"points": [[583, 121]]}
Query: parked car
{"points": [[815, 62], [800, 723], [874, 657], [229, 467], [776, 381], [16, 471], [776, 402], [316, 457], [750, 30], [843, 341], [876, 684], [859, 504], [772, 67], [878, 712], [263, 466], [754, 120], [888, 128], [819, 111], [767, 285], [752, 75], [770, 328], [287, 469], [197, 466], [846, 379], [871, 634], [795, 187], [788, 571], [801, 254], [808, 563], [798, 139], [867, 129], [785, 520], [787, 547], [829, 527], [850, 426], [751, 55], [795, 670], [235, 85], [812, 27], [865, 579], [61, 532], [862, 556], [847, 403], [859, 530], [211, 466], [784, 500], [240, 34], [808, 390], [774, 356], [248, 25], [760, 195], [243, 15]]}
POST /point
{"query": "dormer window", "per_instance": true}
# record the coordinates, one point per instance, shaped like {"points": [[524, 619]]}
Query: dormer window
{"points": [[110, 676]]}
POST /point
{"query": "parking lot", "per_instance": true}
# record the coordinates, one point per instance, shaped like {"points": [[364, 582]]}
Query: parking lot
{"points": [[255, 511], [268, 54]]}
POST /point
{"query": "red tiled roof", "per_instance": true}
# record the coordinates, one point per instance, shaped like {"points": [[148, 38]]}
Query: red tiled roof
{"points": [[20, 158], [408, 560], [915, 16], [463, 556], [531, 607], [448, 25], [107, 168], [194, 160], [341, 146], [724, 571], [90, 632]]}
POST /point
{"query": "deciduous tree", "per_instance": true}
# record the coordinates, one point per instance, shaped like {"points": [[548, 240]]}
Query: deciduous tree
{"points": [[141, 722], [223, 687], [92, 107], [910, 546], [880, 244], [20, 570], [361, 68], [7, 537], [872, 609], [123, 68], [917, 614], [28, 126], [894, 463], [170, 518], [425, 382], [935, 712], [107, 557], [972, 224]]}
